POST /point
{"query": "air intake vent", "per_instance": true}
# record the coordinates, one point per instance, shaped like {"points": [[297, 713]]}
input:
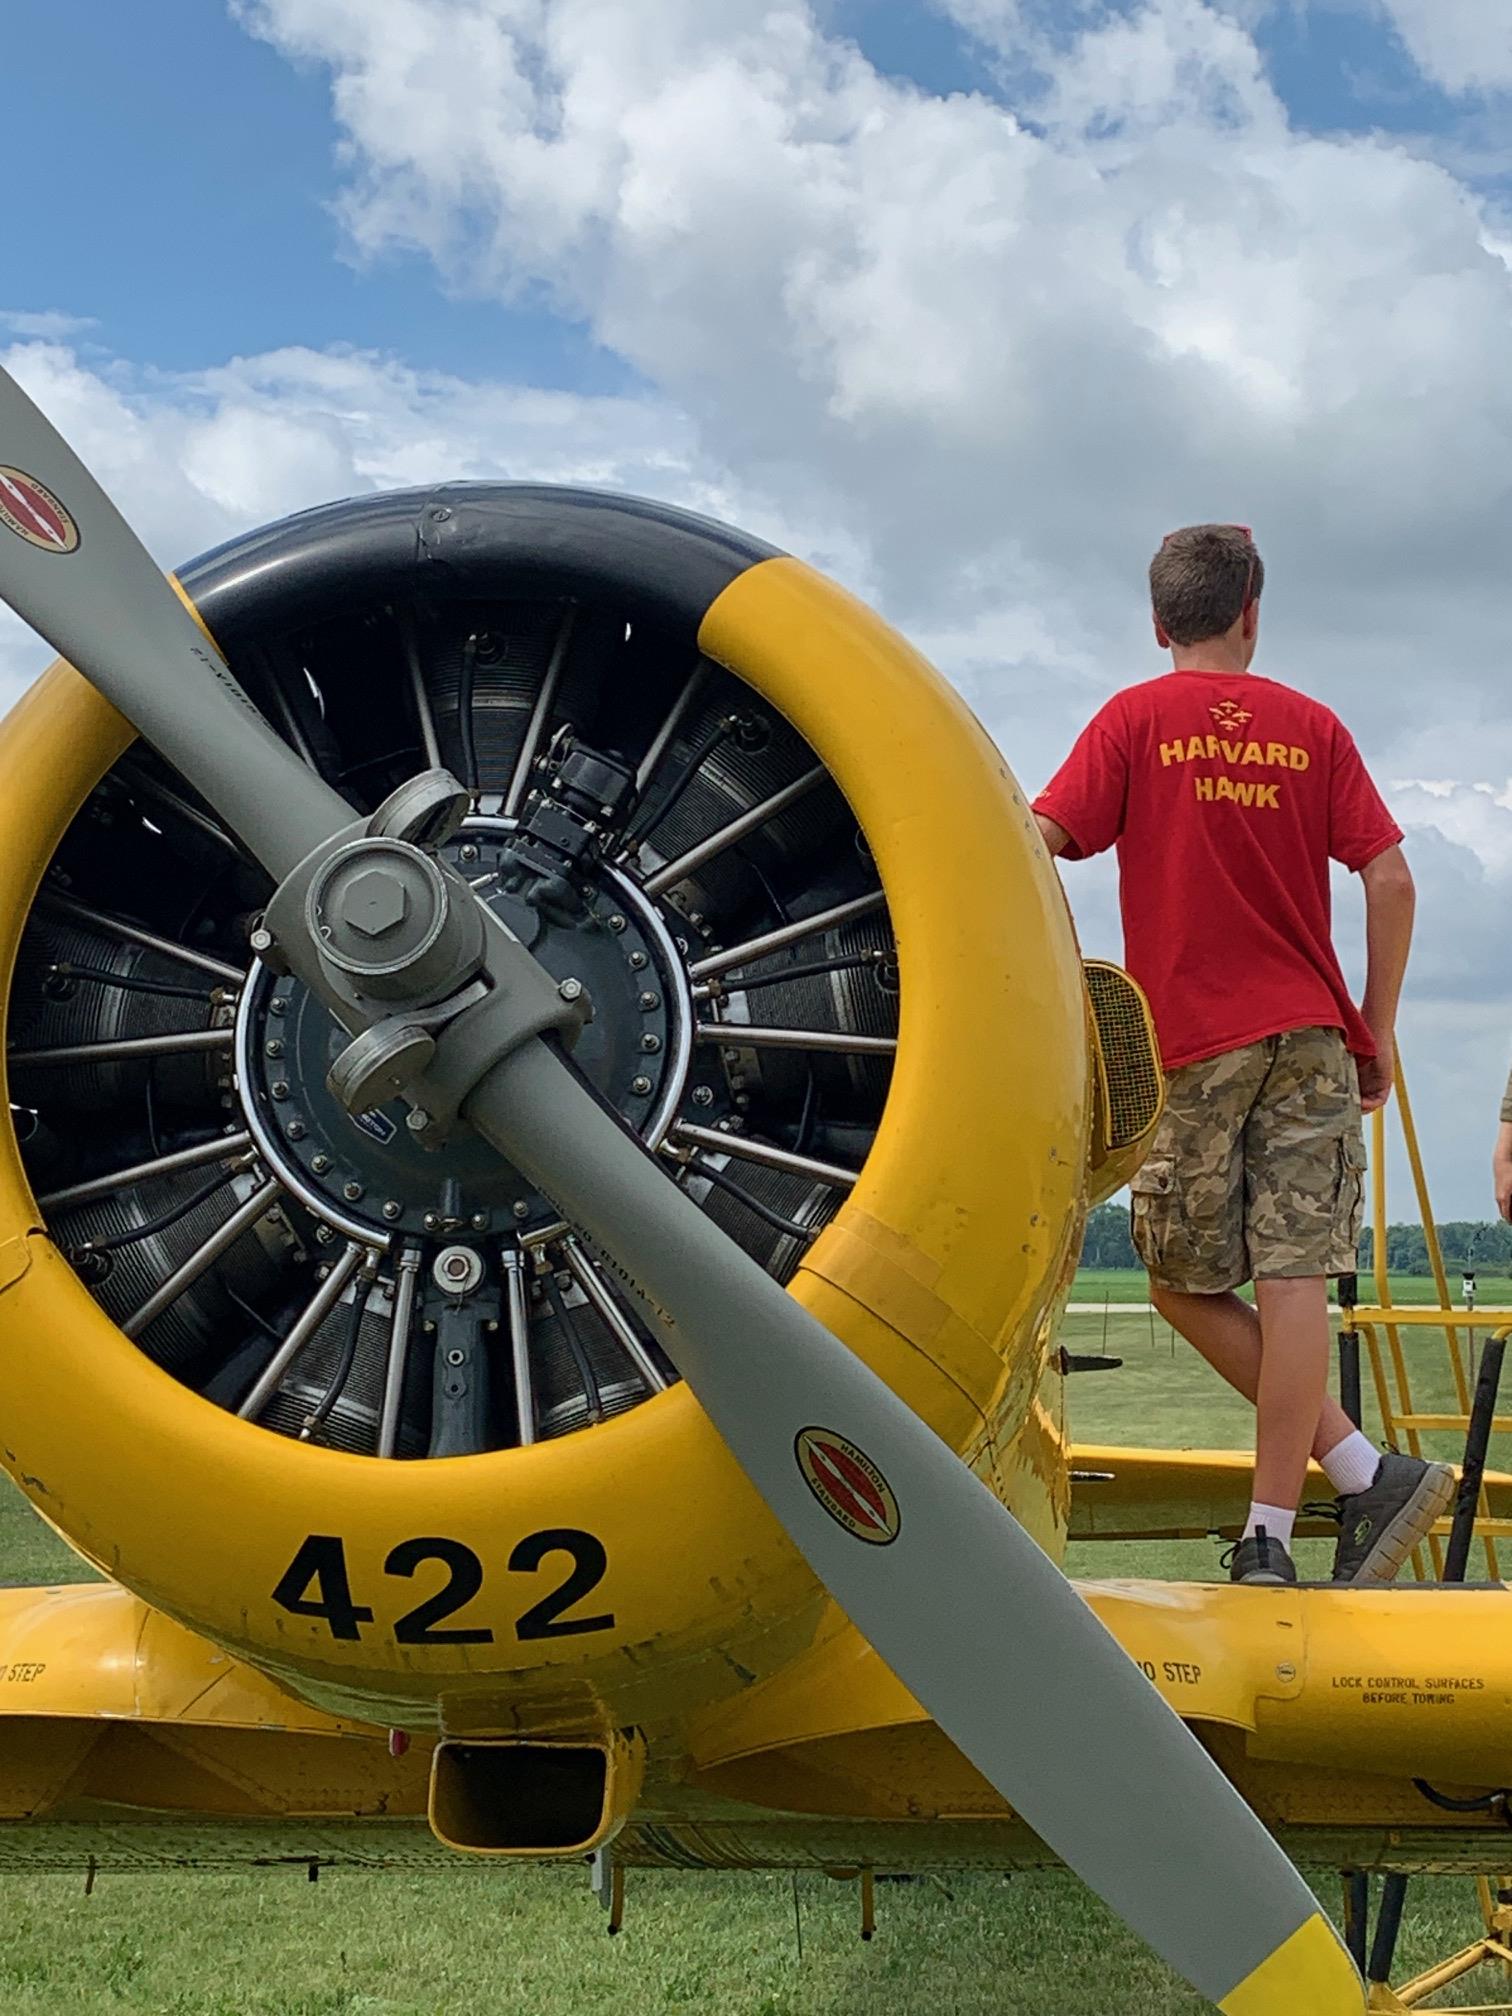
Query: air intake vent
{"points": [[1128, 1055]]}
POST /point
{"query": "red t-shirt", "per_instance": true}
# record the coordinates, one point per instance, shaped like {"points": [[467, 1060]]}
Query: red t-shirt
{"points": [[1226, 795]]}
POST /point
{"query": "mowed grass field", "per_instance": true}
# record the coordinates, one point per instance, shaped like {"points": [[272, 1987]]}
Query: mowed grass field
{"points": [[476, 1941]]}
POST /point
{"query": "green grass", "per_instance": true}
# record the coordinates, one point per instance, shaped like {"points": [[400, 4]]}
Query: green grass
{"points": [[1131, 1284], [530, 1942]]}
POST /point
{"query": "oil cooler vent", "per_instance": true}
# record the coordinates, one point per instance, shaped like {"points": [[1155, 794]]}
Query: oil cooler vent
{"points": [[1128, 1055]]}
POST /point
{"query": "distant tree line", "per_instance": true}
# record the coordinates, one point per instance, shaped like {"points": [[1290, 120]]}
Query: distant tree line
{"points": [[1466, 1242]]}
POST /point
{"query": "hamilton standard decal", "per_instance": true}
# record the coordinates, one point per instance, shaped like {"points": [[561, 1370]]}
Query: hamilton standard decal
{"points": [[848, 1485], [32, 512]]}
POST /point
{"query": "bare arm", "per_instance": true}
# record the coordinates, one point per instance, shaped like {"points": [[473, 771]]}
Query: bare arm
{"points": [[1056, 838], [1501, 1168], [1390, 901]]}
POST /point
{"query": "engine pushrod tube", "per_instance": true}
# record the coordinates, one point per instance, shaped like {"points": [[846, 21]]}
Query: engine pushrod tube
{"points": [[737, 829], [517, 1311], [137, 934], [315, 1311], [184, 1276], [539, 714], [586, 1276], [787, 934], [125, 1049], [224, 1149], [763, 1152], [752, 1036], [429, 741], [405, 1285], [646, 768]]}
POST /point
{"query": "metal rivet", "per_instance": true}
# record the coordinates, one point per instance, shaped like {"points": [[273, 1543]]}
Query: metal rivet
{"points": [[648, 1001], [638, 961], [616, 922], [278, 1005], [325, 1234], [469, 852], [650, 1041], [321, 1164], [520, 1208], [432, 1221], [279, 1088], [351, 1192], [480, 1221], [273, 1047], [393, 1208], [640, 1085], [295, 1130], [703, 1095]]}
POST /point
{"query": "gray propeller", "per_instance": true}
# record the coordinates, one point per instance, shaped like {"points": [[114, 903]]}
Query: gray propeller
{"points": [[974, 1619]]}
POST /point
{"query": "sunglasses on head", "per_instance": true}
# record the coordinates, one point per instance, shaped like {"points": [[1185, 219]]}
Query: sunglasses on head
{"points": [[1249, 578]]}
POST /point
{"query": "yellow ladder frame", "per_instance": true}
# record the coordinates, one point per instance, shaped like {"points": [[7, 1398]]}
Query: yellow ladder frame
{"points": [[1403, 1422]]}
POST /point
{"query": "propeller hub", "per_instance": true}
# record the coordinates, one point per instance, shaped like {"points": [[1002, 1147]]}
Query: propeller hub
{"points": [[367, 1175]]}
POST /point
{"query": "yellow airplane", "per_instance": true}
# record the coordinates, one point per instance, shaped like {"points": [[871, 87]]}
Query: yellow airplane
{"points": [[537, 1205]]}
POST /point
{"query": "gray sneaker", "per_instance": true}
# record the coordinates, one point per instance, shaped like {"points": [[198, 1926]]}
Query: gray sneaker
{"points": [[1380, 1526], [1260, 1560]]}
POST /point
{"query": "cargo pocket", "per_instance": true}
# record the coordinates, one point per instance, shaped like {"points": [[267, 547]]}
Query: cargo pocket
{"points": [[1349, 1199], [1154, 1210]]}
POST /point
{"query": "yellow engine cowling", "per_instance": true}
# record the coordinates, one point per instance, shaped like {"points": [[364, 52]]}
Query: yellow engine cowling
{"points": [[582, 1581]]}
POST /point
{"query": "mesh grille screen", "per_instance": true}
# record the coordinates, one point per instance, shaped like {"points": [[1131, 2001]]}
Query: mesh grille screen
{"points": [[1131, 1066]]}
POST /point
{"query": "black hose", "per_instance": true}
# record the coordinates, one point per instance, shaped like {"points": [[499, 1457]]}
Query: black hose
{"points": [[344, 1363], [155, 1225], [129, 983], [580, 1357], [650, 816], [807, 1233]]}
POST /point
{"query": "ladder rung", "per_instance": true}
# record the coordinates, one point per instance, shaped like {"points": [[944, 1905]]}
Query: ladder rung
{"points": [[1500, 1425], [1418, 1317]]}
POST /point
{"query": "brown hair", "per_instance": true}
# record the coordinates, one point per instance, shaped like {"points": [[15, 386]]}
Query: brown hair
{"points": [[1197, 581]]}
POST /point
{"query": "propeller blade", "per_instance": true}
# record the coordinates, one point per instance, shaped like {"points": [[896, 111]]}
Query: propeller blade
{"points": [[72, 568], [974, 1619]]}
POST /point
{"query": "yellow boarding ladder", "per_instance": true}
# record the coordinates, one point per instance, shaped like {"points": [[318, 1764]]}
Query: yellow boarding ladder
{"points": [[1471, 1419]]}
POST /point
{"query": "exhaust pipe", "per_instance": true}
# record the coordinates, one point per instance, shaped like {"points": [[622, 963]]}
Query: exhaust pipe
{"points": [[535, 1801]]}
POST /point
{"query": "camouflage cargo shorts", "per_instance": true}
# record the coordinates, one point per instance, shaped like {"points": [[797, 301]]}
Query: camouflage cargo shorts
{"points": [[1257, 1168]]}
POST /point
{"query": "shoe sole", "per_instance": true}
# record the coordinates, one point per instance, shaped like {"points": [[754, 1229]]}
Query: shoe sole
{"points": [[1409, 1529]]}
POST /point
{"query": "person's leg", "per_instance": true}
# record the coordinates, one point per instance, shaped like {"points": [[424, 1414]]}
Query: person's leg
{"points": [[1226, 1331], [1304, 1163], [1188, 1212], [1294, 1354]]}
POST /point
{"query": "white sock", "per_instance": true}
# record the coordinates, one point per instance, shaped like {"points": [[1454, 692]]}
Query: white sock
{"points": [[1351, 1465], [1278, 1522]]}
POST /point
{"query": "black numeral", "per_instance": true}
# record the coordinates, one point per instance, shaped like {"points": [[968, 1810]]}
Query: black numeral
{"points": [[315, 1584], [589, 1563], [463, 1583], [322, 1560]]}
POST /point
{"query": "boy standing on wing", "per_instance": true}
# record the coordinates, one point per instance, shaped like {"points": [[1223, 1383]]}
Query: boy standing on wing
{"points": [[1227, 795]]}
